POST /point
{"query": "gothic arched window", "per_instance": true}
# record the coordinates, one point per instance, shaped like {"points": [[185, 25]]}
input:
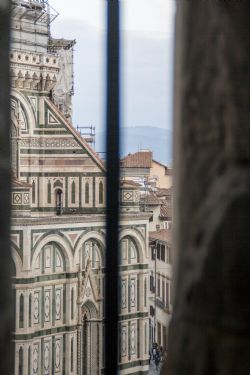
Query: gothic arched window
{"points": [[87, 192], [73, 192], [21, 312], [59, 207], [101, 192]]}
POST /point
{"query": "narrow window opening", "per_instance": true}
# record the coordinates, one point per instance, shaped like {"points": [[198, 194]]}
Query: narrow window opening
{"points": [[73, 192], [101, 193], [29, 361], [59, 208], [21, 307], [49, 192], [87, 192], [30, 309], [72, 303], [33, 192], [72, 355], [20, 364]]}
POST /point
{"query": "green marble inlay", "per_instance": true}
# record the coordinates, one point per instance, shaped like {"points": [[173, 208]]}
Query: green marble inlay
{"points": [[133, 316], [127, 365], [33, 280], [44, 332]]}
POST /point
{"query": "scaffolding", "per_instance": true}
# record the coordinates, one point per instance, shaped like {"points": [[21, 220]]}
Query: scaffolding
{"points": [[41, 10], [88, 133]]}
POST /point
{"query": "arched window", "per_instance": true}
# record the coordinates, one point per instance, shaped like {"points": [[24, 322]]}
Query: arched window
{"points": [[20, 361], [72, 303], [59, 207], [73, 192], [72, 355], [101, 192], [33, 192], [49, 192], [21, 312], [87, 192], [30, 309]]}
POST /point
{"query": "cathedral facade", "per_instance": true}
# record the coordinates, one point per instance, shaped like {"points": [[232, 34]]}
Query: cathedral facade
{"points": [[58, 220]]}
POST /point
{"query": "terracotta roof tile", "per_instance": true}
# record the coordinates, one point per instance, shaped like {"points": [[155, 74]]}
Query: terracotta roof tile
{"points": [[150, 199], [162, 235], [165, 212], [140, 159], [164, 192]]}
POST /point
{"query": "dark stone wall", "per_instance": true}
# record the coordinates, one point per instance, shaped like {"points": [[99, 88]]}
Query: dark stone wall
{"points": [[210, 330], [6, 311]]}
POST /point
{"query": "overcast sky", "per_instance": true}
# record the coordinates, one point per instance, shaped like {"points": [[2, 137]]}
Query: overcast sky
{"points": [[147, 59]]}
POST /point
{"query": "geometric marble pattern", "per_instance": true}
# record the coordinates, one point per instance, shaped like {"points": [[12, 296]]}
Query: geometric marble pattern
{"points": [[58, 356], [36, 307], [133, 339], [52, 120], [58, 303], [124, 341], [124, 294], [33, 101], [46, 358], [47, 256], [58, 259], [132, 292], [47, 305], [35, 358], [127, 196], [26, 198], [16, 198]]}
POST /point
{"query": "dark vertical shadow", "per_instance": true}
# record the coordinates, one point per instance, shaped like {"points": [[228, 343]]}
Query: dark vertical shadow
{"points": [[6, 314], [112, 219]]}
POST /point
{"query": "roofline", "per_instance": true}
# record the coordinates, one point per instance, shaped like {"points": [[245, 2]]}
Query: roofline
{"points": [[164, 165], [75, 133]]}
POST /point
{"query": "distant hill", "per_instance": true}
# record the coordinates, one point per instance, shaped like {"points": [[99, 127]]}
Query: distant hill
{"points": [[133, 139]]}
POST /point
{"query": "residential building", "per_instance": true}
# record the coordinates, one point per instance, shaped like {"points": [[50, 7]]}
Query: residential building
{"points": [[160, 297], [140, 166]]}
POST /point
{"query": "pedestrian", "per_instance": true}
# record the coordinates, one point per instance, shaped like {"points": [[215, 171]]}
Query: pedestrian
{"points": [[157, 361], [154, 350], [149, 357]]}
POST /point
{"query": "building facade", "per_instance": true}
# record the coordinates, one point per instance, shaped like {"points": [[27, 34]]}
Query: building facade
{"points": [[58, 220], [161, 279]]}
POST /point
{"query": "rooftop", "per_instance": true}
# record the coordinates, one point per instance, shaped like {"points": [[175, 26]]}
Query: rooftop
{"points": [[165, 212], [150, 199], [161, 235], [140, 159], [162, 192]]}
